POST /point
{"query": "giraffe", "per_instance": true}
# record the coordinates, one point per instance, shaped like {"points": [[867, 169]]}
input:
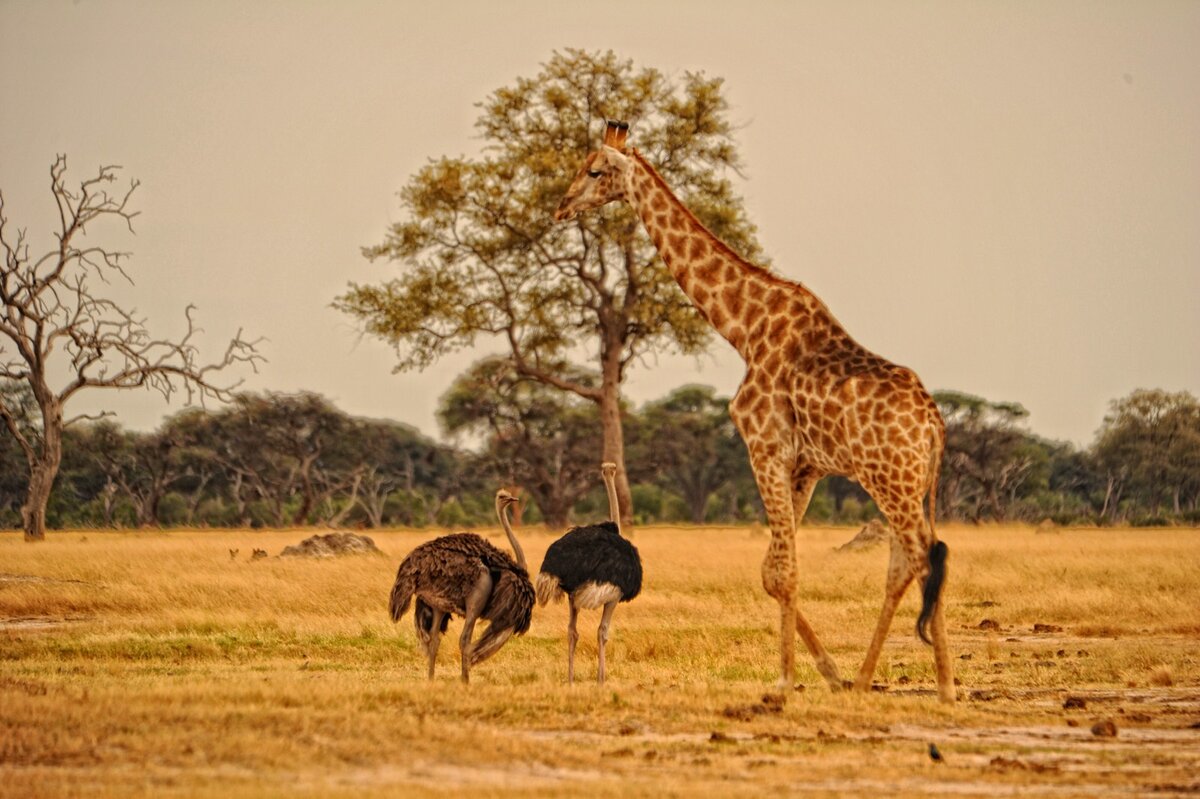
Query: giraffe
{"points": [[813, 402]]}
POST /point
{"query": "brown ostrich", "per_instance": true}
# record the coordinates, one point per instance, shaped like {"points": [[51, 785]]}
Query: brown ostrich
{"points": [[462, 574]]}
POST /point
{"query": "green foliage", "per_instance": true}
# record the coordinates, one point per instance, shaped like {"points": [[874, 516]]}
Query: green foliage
{"points": [[542, 440], [1149, 445], [480, 257], [687, 444], [545, 442]]}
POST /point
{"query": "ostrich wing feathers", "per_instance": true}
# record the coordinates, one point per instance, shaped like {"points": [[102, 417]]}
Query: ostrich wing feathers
{"points": [[595, 554]]}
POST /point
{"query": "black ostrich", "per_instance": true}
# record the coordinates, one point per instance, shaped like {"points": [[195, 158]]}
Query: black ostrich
{"points": [[593, 567], [465, 575]]}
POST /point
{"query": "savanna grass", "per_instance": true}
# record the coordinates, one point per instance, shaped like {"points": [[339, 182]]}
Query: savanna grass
{"points": [[156, 664]]}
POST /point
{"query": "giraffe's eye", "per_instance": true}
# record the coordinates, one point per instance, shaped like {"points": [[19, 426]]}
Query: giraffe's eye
{"points": [[594, 174]]}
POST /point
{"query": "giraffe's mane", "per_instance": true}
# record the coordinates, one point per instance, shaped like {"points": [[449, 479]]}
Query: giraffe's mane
{"points": [[715, 240]]}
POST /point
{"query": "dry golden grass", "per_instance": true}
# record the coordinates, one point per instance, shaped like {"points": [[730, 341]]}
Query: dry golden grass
{"points": [[153, 664]]}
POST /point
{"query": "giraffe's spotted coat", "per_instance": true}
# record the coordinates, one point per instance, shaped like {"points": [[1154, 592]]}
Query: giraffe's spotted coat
{"points": [[813, 401]]}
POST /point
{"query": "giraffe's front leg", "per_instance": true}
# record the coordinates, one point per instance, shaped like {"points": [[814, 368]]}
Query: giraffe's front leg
{"points": [[805, 480], [780, 574], [779, 580]]}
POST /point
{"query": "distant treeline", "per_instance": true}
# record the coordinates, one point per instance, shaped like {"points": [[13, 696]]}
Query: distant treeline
{"points": [[295, 459]]}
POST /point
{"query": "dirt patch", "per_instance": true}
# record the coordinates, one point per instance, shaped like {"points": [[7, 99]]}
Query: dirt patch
{"points": [[332, 545], [31, 578], [39, 622]]}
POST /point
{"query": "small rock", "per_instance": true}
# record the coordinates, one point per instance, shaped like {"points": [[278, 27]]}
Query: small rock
{"points": [[1046, 628], [773, 703], [1074, 703], [1104, 729], [332, 544], [989, 624]]}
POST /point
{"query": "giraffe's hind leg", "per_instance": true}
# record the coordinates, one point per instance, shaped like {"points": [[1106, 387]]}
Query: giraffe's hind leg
{"points": [[900, 574], [941, 656], [911, 542]]}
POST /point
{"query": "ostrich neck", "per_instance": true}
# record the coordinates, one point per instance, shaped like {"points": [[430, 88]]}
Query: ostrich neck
{"points": [[715, 278], [614, 507], [512, 538]]}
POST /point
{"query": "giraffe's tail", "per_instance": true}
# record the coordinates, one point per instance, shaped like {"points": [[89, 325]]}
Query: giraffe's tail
{"points": [[933, 586], [937, 549]]}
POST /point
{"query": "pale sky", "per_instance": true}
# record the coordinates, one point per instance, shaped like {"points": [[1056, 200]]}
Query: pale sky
{"points": [[1004, 196]]}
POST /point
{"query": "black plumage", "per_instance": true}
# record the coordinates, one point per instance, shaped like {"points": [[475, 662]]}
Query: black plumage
{"points": [[596, 553], [593, 566]]}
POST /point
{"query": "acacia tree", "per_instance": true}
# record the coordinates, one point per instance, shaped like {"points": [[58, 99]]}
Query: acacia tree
{"points": [[988, 457], [54, 323], [481, 255], [535, 437], [690, 445], [1149, 443]]}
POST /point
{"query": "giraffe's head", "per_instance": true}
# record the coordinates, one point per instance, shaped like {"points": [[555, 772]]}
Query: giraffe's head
{"points": [[602, 178]]}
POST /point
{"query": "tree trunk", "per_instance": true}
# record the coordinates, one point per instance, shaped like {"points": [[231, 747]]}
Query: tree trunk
{"points": [[307, 494], [614, 435], [41, 483], [33, 512], [341, 515]]}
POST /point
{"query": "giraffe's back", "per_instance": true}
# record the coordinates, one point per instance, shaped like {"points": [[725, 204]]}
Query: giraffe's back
{"points": [[862, 416]]}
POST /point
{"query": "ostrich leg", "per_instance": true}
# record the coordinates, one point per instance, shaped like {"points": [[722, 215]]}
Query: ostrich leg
{"points": [[433, 638], [602, 635], [474, 605], [572, 639]]}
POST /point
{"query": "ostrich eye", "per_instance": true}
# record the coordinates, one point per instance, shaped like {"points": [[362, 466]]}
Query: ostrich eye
{"points": [[592, 174]]}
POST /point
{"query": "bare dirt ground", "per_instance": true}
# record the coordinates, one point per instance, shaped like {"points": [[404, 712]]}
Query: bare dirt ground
{"points": [[148, 664]]}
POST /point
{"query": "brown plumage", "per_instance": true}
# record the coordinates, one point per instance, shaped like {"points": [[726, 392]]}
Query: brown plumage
{"points": [[462, 574]]}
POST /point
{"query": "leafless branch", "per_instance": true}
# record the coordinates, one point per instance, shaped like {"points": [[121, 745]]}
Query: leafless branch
{"points": [[53, 321]]}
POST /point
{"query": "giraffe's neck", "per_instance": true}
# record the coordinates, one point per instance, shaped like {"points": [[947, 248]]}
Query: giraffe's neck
{"points": [[722, 285]]}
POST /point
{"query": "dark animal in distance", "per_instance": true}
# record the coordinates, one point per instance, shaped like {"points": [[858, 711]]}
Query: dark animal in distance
{"points": [[593, 566], [463, 574]]}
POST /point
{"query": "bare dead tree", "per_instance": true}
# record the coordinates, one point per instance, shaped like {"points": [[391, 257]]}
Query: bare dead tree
{"points": [[54, 323]]}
